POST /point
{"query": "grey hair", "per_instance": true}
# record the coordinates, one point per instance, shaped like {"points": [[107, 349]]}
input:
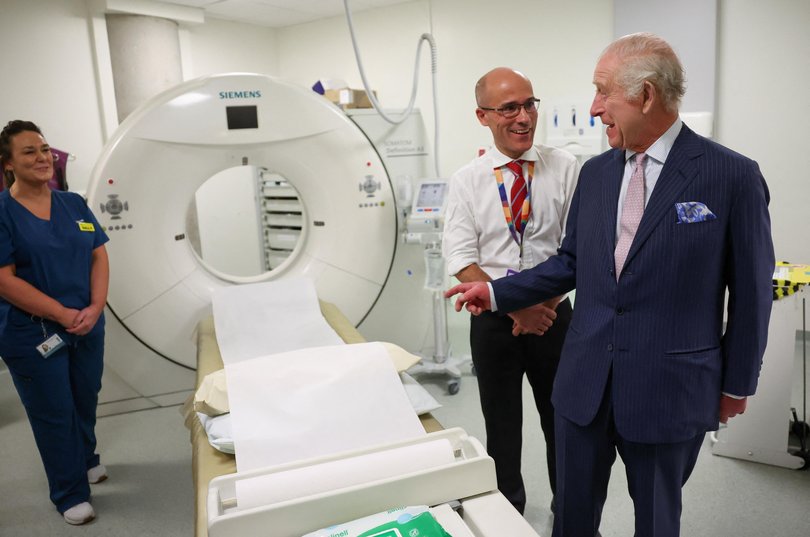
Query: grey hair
{"points": [[647, 57]]}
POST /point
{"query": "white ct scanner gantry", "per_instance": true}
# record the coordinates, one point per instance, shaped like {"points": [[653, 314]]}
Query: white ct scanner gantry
{"points": [[147, 179]]}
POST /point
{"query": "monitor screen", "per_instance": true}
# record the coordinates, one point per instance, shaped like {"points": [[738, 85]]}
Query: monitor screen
{"points": [[431, 194], [242, 117]]}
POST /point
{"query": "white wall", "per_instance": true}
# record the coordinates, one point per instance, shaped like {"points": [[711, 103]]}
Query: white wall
{"points": [[763, 81], [227, 210], [554, 43], [49, 74], [691, 30], [387, 39], [226, 47], [761, 74], [48, 77]]}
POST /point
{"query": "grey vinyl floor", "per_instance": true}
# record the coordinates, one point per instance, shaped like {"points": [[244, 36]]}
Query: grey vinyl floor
{"points": [[149, 492]]}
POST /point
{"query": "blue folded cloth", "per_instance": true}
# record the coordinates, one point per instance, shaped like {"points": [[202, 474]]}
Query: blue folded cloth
{"points": [[690, 212]]}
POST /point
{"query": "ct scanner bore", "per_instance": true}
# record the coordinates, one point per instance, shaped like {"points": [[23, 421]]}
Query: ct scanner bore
{"points": [[150, 170]]}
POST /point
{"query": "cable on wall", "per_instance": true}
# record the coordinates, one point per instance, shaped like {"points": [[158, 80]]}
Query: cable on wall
{"points": [[423, 38]]}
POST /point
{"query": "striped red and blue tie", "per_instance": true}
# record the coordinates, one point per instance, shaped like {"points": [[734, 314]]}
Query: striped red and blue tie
{"points": [[518, 194]]}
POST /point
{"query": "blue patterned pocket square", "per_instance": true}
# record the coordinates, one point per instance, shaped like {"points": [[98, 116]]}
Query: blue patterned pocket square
{"points": [[690, 212]]}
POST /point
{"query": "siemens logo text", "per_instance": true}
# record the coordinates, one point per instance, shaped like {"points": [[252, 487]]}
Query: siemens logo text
{"points": [[254, 94]]}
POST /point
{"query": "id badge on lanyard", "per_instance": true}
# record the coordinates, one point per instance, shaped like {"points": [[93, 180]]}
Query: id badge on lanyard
{"points": [[524, 213], [51, 344]]}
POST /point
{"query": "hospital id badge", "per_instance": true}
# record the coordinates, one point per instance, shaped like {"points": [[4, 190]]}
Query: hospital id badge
{"points": [[50, 345]]}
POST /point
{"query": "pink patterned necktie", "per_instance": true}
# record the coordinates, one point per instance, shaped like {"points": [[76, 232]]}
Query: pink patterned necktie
{"points": [[632, 210], [517, 194]]}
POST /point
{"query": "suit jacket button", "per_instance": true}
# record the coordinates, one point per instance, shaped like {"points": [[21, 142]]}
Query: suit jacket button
{"points": [[610, 347], [620, 311]]}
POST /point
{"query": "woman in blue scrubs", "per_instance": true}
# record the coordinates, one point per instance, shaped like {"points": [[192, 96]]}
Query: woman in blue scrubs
{"points": [[54, 275]]}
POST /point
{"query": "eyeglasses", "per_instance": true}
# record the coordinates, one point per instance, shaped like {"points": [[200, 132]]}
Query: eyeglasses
{"points": [[513, 109]]}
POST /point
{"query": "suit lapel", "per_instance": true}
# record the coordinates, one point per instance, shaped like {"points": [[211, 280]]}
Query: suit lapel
{"points": [[612, 172], [678, 172]]}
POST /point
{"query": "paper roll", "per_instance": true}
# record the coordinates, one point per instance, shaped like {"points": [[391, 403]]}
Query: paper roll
{"points": [[333, 475]]}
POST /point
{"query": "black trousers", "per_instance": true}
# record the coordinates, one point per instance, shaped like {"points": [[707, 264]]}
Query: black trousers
{"points": [[501, 360]]}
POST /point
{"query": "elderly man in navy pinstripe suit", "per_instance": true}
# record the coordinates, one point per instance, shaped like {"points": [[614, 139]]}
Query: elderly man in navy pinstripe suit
{"points": [[647, 366]]}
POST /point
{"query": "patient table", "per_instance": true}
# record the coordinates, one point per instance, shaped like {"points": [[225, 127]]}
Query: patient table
{"points": [[471, 478]]}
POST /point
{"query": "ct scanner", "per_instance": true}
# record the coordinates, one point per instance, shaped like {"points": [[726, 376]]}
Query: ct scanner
{"points": [[349, 245]]}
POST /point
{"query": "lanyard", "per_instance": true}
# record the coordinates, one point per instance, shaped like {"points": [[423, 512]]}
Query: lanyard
{"points": [[507, 209]]}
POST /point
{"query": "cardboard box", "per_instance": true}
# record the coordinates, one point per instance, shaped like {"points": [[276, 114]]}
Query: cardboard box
{"points": [[349, 98]]}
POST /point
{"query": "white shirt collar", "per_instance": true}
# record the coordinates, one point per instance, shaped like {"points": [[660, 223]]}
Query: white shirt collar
{"points": [[499, 159], [659, 150]]}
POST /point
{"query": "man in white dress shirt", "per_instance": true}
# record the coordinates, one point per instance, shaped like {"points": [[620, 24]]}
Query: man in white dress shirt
{"points": [[506, 212]]}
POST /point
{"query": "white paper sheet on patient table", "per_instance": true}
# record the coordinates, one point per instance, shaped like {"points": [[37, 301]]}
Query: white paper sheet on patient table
{"points": [[269, 317], [337, 474], [314, 402]]}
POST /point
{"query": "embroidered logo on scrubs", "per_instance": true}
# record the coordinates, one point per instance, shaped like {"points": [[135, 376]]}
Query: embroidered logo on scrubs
{"points": [[86, 226]]}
